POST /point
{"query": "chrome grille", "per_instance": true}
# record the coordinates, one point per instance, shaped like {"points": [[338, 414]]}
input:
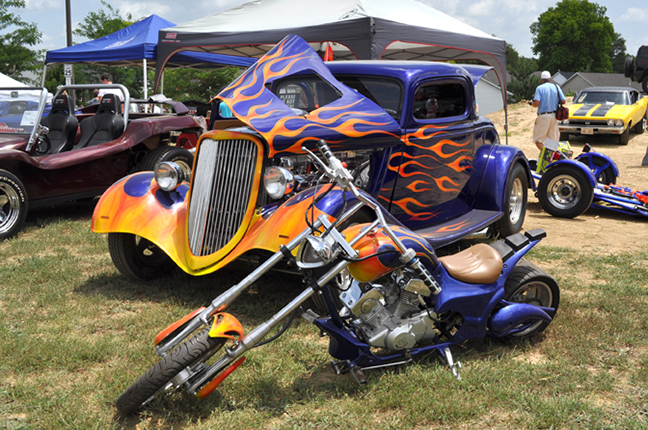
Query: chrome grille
{"points": [[221, 185]]}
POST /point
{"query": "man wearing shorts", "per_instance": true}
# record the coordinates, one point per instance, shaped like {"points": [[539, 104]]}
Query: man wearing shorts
{"points": [[546, 100]]}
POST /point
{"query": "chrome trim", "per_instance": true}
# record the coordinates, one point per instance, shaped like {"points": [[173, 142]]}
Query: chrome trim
{"points": [[221, 186]]}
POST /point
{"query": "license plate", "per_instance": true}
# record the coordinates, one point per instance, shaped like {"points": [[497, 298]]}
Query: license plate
{"points": [[587, 131]]}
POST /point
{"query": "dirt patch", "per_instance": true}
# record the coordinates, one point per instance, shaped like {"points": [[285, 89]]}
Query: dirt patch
{"points": [[598, 231]]}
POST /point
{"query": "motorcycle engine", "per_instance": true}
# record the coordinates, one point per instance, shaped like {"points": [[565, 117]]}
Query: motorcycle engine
{"points": [[392, 314]]}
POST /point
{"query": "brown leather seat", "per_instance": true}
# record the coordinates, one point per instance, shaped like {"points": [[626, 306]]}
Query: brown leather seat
{"points": [[479, 264]]}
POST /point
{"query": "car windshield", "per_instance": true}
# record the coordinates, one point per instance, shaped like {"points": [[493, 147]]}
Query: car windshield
{"points": [[608, 97], [19, 109]]}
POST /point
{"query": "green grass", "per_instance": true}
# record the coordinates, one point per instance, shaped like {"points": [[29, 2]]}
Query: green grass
{"points": [[74, 333]]}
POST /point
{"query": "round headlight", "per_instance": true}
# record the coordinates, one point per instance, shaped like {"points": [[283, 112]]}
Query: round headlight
{"points": [[565, 121], [610, 122], [314, 252], [278, 182], [619, 122], [168, 175]]}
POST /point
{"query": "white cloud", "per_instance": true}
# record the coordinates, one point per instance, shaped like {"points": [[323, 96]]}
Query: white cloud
{"points": [[37, 5], [634, 14]]}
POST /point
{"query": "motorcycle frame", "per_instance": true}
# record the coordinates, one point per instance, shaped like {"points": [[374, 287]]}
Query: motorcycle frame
{"points": [[348, 347]]}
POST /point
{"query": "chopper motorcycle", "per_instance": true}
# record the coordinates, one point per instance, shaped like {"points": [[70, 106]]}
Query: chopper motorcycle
{"points": [[388, 296]]}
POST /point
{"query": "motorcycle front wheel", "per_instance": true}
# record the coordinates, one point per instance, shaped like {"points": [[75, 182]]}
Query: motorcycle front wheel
{"points": [[529, 284], [196, 349]]}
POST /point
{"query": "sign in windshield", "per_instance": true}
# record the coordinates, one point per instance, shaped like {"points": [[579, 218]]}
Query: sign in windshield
{"points": [[19, 111]]}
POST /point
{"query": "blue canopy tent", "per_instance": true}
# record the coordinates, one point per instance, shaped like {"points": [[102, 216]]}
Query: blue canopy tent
{"points": [[135, 45]]}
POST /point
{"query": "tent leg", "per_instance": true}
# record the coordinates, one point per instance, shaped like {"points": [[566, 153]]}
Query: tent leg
{"points": [[145, 79]]}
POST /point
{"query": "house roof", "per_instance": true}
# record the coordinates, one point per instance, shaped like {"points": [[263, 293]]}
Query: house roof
{"points": [[605, 80]]}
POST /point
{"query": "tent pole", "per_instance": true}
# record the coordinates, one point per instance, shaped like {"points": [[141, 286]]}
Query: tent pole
{"points": [[44, 74], [145, 79]]}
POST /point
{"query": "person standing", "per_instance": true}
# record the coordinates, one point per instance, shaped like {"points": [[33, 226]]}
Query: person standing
{"points": [[547, 96], [107, 78]]}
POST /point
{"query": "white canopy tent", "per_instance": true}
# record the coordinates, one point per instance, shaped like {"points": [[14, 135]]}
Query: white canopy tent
{"points": [[362, 29], [7, 82]]}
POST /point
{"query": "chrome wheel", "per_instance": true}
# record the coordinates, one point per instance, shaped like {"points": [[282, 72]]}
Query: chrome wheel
{"points": [[9, 207], [564, 191], [516, 201]]}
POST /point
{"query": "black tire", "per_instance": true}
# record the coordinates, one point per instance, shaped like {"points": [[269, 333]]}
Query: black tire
{"points": [[629, 66], [196, 349], [515, 203], [565, 191], [624, 138], [13, 204], [640, 128], [528, 283], [605, 176], [563, 137], [180, 156], [138, 258], [644, 84]]}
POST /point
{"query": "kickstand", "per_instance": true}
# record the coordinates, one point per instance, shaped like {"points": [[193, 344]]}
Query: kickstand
{"points": [[455, 367]]}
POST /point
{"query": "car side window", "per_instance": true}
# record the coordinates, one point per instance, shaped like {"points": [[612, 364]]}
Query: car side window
{"points": [[439, 100]]}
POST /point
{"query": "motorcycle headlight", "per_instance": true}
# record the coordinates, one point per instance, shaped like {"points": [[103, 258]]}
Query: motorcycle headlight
{"points": [[610, 122], [278, 182], [619, 122], [169, 175], [314, 252]]}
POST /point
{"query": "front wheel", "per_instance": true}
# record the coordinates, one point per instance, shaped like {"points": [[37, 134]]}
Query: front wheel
{"points": [[624, 138], [529, 284], [180, 156], [13, 204], [563, 137], [640, 128], [137, 258], [194, 351], [515, 203], [565, 191]]}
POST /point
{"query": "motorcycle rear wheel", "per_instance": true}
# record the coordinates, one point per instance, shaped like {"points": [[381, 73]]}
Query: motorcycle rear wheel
{"points": [[196, 349], [527, 283]]}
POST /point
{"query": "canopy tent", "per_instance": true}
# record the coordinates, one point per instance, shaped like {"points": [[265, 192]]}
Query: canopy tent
{"points": [[7, 82], [362, 29], [135, 45]]}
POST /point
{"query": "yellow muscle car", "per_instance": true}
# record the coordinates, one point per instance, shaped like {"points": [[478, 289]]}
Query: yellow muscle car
{"points": [[606, 110]]}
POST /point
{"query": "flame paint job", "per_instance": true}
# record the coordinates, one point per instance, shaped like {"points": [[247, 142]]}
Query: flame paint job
{"points": [[173, 327], [227, 326], [378, 242], [352, 115]]}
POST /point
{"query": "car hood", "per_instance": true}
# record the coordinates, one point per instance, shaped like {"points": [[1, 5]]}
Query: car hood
{"points": [[13, 141], [600, 110], [350, 116]]}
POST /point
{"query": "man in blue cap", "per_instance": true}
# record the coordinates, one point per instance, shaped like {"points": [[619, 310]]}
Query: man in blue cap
{"points": [[547, 96]]}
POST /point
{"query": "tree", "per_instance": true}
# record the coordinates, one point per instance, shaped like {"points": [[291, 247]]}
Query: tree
{"points": [[575, 35], [618, 54], [191, 84], [523, 82], [102, 23], [15, 56]]}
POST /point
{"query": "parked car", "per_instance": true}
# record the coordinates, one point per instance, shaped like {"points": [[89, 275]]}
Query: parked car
{"points": [[435, 165], [637, 68], [51, 154], [606, 110]]}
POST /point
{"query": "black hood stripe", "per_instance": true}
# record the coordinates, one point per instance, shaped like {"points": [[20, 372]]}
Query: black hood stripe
{"points": [[583, 110], [602, 110]]}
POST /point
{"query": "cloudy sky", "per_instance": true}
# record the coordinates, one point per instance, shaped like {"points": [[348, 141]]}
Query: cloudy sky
{"points": [[506, 19]]}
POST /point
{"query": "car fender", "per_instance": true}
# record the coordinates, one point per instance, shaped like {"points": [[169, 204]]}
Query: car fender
{"points": [[588, 158], [497, 164], [137, 205], [577, 165]]}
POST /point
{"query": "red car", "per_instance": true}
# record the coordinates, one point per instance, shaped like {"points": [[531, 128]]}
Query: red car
{"points": [[50, 153]]}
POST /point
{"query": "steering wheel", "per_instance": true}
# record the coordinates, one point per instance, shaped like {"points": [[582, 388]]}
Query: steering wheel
{"points": [[43, 145]]}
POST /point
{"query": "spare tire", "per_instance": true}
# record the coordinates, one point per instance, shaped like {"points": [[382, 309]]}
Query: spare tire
{"points": [[629, 66]]}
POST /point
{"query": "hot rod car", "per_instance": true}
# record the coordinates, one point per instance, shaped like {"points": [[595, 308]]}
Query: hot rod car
{"points": [[52, 153], [606, 110], [409, 132]]}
